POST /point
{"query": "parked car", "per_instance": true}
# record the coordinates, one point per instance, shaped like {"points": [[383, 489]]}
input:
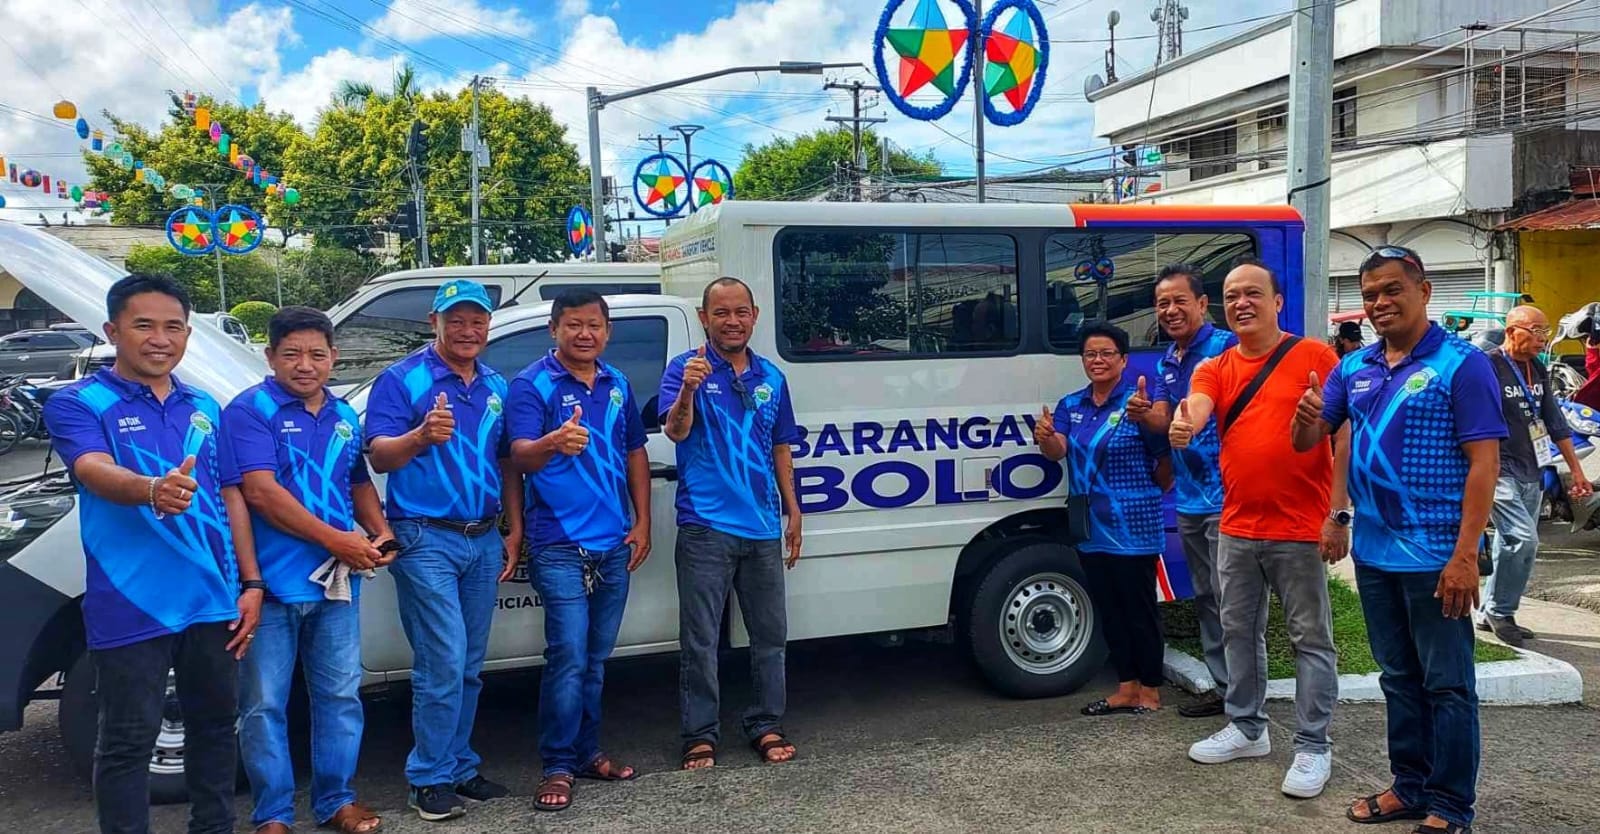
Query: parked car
{"points": [[42, 354]]}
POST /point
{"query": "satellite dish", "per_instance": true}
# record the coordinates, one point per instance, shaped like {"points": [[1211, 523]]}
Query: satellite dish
{"points": [[1155, 14], [1092, 84], [1113, 17]]}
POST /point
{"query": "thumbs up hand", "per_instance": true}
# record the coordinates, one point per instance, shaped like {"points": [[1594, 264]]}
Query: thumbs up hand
{"points": [[1309, 409], [1138, 407], [696, 370], [571, 438], [1045, 427], [175, 490], [1182, 429], [439, 424]]}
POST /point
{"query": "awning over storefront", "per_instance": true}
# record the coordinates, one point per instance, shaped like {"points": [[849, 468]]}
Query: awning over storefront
{"points": [[1573, 214]]}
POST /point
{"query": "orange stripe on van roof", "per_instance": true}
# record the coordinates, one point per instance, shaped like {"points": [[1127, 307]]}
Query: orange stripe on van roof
{"points": [[1152, 213]]}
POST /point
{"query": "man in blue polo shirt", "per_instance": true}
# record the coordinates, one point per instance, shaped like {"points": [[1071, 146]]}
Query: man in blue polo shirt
{"points": [[576, 432], [435, 424], [1181, 304], [302, 471], [172, 580], [1426, 426], [730, 414]]}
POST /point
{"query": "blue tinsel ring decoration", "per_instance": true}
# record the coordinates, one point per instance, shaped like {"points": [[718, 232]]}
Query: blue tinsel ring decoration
{"points": [[651, 160], [216, 234], [887, 82], [587, 244], [202, 215], [1041, 43], [723, 175]]}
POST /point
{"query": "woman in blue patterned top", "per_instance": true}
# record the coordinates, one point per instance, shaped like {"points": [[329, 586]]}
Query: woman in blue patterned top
{"points": [[1121, 468]]}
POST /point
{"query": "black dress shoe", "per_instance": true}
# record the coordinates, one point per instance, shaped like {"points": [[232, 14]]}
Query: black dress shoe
{"points": [[1507, 630], [479, 789], [1209, 705]]}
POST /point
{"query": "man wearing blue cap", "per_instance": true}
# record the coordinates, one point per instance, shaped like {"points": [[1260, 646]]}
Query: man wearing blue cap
{"points": [[435, 419]]}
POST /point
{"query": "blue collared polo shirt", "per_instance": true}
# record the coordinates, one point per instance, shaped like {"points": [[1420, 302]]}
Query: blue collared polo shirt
{"points": [[1408, 474], [459, 479], [316, 457], [577, 499], [726, 479], [1196, 470], [149, 577], [1110, 459]]}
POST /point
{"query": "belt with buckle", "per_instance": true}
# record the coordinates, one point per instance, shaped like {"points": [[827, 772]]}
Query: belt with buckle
{"points": [[468, 528]]}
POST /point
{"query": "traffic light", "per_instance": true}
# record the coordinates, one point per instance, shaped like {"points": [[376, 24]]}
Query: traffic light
{"points": [[416, 142], [405, 221]]}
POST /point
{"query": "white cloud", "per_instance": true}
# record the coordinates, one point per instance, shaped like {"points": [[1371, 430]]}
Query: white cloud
{"points": [[412, 21], [572, 8], [305, 92]]}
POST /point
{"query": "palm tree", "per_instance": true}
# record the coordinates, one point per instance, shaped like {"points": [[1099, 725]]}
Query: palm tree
{"points": [[354, 94]]}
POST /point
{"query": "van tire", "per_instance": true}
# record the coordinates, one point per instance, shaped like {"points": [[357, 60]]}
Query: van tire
{"points": [[79, 718], [1030, 626]]}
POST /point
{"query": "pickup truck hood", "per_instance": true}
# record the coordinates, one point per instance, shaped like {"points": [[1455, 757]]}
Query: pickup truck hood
{"points": [[76, 283]]}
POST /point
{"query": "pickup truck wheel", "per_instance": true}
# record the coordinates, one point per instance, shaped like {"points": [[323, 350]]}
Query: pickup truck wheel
{"points": [[79, 719], [1031, 627]]}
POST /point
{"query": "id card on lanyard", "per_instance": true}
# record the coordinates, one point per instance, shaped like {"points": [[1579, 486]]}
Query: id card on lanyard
{"points": [[1543, 452]]}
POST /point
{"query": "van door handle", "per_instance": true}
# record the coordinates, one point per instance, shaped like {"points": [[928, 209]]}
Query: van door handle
{"points": [[663, 471]]}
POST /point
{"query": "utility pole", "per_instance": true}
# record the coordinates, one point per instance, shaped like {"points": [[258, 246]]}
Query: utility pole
{"points": [[222, 283], [858, 162], [661, 141], [1311, 147], [416, 151], [979, 93], [688, 132], [472, 142]]}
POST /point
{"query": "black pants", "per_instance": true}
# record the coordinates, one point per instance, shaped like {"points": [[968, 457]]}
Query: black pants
{"points": [[1123, 589], [132, 687]]}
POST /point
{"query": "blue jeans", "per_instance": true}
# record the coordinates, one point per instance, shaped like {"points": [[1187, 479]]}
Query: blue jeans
{"points": [[1516, 526], [580, 630], [326, 637], [1428, 679], [446, 584]]}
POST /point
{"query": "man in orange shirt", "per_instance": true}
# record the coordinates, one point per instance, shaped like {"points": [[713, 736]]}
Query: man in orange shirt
{"points": [[1275, 524]]}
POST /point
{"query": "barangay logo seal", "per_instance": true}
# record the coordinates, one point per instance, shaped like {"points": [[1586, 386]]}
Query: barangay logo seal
{"points": [[201, 422], [1115, 418], [1418, 381], [344, 430], [763, 394], [616, 397], [495, 405]]}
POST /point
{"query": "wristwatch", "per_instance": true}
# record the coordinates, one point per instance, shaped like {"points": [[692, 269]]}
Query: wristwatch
{"points": [[253, 585], [1342, 517]]}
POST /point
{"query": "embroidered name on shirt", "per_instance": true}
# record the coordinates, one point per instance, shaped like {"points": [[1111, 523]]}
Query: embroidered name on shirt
{"points": [[129, 424], [1361, 385], [289, 427]]}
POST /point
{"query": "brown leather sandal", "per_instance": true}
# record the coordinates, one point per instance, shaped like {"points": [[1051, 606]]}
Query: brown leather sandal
{"points": [[770, 741], [558, 785], [603, 769], [355, 818], [274, 828]]}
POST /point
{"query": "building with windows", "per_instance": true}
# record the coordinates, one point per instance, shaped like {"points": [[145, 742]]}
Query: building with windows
{"points": [[1442, 131]]}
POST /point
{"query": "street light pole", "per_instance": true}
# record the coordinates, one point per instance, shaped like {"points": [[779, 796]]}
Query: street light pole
{"points": [[979, 93], [598, 101], [688, 132]]}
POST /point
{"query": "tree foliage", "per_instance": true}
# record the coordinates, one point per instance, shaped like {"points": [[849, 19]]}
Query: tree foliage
{"points": [[254, 315], [800, 168], [318, 277]]}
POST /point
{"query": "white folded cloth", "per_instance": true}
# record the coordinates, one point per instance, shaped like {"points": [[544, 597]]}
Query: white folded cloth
{"points": [[334, 577]]}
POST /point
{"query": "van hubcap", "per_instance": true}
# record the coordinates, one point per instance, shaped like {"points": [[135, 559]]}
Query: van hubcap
{"points": [[1046, 623]]}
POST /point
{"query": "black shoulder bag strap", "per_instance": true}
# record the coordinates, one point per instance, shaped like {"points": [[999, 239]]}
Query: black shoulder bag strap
{"points": [[1249, 392]]}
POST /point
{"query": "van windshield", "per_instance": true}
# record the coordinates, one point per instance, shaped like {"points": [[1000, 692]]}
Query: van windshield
{"points": [[383, 330]]}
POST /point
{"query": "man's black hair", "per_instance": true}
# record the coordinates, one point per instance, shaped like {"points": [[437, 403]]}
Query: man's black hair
{"points": [[1350, 331], [572, 299], [1248, 260], [138, 283], [1117, 335], [1189, 272], [725, 281], [293, 319]]}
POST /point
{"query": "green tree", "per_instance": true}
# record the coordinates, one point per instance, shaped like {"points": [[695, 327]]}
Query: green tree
{"points": [[248, 277], [254, 315], [800, 168]]}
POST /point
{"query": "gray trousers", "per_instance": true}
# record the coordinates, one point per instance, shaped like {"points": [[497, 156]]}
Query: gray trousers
{"points": [[1516, 525], [1294, 571], [1199, 536]]}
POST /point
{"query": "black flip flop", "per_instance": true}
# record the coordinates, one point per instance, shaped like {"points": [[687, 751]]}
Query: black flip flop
{"points": [[1104, 707], [1376, 816]]}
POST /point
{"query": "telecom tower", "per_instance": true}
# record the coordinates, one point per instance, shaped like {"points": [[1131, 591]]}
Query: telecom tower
{"points": [[1169, 17]]}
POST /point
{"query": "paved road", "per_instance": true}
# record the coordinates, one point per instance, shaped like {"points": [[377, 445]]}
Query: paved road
{"points": [[1568, 567], [902, 739]]}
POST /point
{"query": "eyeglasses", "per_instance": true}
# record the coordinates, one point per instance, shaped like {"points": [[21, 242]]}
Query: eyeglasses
{"points": [[1393, 253], [1108, 355], [1542, 333], [744, 393]]}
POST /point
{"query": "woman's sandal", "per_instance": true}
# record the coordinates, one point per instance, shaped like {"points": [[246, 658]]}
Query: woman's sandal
{"points": [[774, 741], [1104, 707], [354, 819], [558, 785], [698, 751], [603, 769], [1375, 813]]}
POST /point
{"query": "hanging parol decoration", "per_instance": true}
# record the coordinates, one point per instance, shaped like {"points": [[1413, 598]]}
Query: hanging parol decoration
{"points": [[82, 128], [661, 185], [1016, 54], [191, 231], [712, 183], [932, 55], [1100, 271], [580, 231], [2, 201], [181, 191], [65, 110], [238, 229], [31, 178], [290, 196]]}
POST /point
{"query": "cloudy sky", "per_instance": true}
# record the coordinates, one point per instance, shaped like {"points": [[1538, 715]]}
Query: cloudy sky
{"points": [[122, 55]]}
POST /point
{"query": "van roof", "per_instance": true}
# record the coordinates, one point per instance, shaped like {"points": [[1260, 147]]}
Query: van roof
{"points": [[607, 271], [741, 212]]}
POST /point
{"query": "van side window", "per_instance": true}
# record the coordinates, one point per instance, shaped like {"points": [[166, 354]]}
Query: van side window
{"points": [[1075, 263], [548, 292], [385, 329], [876, 294], [638, 348]]}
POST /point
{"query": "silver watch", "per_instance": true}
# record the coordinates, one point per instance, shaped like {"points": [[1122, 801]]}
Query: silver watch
{"points": [[1342, 517]]}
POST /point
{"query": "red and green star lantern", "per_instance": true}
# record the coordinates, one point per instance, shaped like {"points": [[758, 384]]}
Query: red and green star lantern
{"points": [[933, 60], [712, 183], [661, 185]]}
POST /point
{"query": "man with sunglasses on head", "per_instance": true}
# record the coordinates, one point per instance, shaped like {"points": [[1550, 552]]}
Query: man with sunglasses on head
{"points": [[1424, 414], [1535, 421], [730, 414]]}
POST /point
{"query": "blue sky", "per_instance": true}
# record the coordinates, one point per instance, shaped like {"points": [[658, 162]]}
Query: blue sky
{"points": [[122, 55]]}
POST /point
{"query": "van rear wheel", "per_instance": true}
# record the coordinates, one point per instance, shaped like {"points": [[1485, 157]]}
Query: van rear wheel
{"points": [[1031, 626]]}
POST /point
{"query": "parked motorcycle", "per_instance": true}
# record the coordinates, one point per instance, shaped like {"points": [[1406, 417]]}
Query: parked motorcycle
{"points": [[1585, 424], [1566, 378]]}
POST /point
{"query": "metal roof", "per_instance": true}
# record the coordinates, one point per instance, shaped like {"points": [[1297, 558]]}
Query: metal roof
{"points": [[1573, 214]]}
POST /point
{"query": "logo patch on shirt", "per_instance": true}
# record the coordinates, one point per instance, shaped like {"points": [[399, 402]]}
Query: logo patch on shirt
{"points": [[616, 397], [1361, 385], [344, 430], [1419, 380], [1076, 417], [763, 393], [201, 422], [713, 388], [568, 401], [495, 406], [1115, 418]]}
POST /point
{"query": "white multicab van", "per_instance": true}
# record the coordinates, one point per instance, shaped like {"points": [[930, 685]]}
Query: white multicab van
{"points": [[919, 342]]}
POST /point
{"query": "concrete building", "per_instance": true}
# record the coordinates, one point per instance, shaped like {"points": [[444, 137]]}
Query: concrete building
{"points": [[1439, 137]]}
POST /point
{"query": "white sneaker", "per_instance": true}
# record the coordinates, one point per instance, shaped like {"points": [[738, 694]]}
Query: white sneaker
{"points": [[1229, 744], [1308, 775]]}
